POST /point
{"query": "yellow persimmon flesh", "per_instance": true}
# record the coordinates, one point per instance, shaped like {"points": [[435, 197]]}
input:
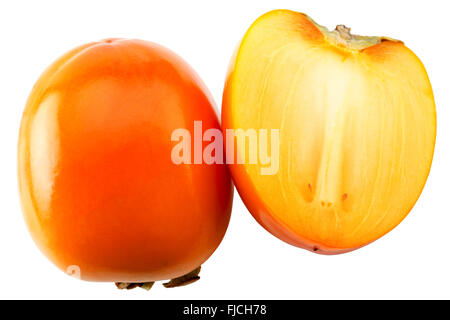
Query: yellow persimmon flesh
{"points": [[357, 127]]}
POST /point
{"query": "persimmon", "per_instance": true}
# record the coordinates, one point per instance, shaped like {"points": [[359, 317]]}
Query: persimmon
{"points": [[357, 127], [99, 190]]}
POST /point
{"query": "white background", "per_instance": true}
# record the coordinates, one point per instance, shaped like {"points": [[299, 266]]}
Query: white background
{"points": [[413, 261]]}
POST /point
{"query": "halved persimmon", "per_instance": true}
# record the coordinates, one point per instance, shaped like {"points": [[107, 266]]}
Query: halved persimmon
{"points": [[357, 127]]}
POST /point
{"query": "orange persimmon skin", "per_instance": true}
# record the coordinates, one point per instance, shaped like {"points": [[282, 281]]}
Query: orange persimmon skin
{"points": [[98, 188]]}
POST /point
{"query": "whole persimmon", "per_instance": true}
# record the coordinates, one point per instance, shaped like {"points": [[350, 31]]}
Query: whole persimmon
{"points": [[100, 193], [356, 125]]}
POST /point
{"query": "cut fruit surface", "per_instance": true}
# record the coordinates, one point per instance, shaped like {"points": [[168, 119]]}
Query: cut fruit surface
{"points": [[357, 126]]}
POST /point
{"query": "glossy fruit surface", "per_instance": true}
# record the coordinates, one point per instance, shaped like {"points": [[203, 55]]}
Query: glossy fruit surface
{"points": [[357, 127], [98, 188]]}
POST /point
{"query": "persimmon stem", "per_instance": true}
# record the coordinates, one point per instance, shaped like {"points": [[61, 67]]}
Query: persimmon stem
{"points": [[344, 32]]}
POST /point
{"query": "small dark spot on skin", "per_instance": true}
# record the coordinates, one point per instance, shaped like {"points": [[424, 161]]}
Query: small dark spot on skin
{"points": [[110, 40], [309, 187], [315, 249], [344, 196]]}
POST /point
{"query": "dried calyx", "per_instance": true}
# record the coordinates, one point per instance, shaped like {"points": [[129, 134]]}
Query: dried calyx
{"points": [[188, 278], [342, 37]]}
